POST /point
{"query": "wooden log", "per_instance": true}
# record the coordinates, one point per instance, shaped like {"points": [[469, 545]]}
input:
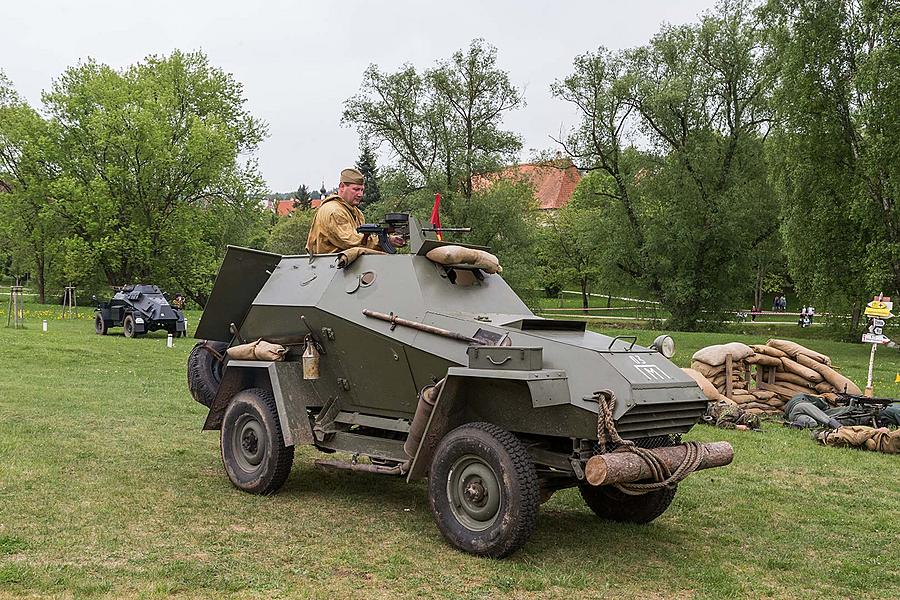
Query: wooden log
{"points": [[628, 467]]}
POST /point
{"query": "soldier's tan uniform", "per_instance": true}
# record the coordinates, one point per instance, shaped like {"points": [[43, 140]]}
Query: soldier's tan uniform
{"points": [[334, 228]]}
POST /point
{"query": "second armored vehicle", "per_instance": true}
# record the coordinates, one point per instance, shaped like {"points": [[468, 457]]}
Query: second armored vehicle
{"points": [[138, 309]]}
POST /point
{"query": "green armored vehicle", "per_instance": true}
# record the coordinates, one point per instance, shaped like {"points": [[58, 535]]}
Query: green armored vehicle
{"points": [[421, 369]]}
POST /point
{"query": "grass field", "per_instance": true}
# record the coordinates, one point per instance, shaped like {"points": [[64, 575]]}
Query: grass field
{"points": [[109, 488]]}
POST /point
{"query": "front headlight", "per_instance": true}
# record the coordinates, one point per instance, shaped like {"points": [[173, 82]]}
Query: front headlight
{"points": [[665, 345]]}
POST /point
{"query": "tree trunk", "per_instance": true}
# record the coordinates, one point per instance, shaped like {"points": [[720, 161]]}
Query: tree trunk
{"points": [[584, 293], [855, 315]]}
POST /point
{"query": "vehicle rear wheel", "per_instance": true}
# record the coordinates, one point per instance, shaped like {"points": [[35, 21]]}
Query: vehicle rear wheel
{"points": [[128, 326], [100, 325], [610, 503], [483, 490], [253, 450], [204, 370]]}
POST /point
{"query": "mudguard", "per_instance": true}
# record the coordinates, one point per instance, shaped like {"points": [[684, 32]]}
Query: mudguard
{"points": [[542, 388], [284, 379]]}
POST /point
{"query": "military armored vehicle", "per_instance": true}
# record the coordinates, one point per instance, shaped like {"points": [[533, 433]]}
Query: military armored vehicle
{"points": [[417, 369], [138, 309]]}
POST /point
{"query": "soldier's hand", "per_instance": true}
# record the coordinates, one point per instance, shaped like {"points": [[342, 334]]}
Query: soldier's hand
{"points": [[397, 241]]}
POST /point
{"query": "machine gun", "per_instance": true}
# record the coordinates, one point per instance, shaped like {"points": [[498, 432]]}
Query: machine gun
{"points": [[393, 224], [857, 400]]}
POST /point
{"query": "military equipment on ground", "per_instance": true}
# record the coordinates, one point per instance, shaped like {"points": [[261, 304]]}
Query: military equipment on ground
{"points": [[423, 370], [138, 309]]}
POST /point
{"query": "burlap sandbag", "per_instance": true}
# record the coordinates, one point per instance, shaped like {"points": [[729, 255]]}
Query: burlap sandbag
{"points": [[346, 257], [763, 394], [460, 255], [810, 375], [759, 405], [720, 379], [785, 391], [824, 387], [794, 349], [767, 361], [706, 370], [715, 355], [768, 351], [775, 402], [258, 350], [705, 386], [831, 398], [839, 382], [788, 377]]}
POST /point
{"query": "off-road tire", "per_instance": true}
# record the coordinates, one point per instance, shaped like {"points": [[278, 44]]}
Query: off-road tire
{"points": [[609, 503], [100, 325], [128, 326], [253, 451], [488, 449], [204, 370]]}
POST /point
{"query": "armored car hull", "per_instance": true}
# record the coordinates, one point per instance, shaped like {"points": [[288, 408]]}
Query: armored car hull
{"points": [[415, 360]]}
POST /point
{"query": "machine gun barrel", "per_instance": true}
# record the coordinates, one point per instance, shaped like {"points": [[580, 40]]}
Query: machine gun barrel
{"points": [[852, 399]]}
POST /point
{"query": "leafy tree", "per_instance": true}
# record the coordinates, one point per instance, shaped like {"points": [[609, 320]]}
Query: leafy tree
{"points": [[366, 165], [835, 150], [28, 229], [290, 233], [141, 151], [692, 208], [443, 125]]}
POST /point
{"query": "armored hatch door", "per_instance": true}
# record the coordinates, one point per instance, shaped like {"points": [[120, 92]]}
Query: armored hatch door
{"points": [[242, 275]]}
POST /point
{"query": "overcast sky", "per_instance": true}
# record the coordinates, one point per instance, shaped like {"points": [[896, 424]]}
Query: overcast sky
{"points": [[299, 61]]}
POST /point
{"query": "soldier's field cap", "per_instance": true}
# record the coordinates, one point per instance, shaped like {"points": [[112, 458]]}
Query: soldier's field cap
{"points": [[352, 176]]}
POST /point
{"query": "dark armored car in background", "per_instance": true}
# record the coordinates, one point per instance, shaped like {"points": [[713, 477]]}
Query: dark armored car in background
{"points": [[420, 369], [138, 309]]}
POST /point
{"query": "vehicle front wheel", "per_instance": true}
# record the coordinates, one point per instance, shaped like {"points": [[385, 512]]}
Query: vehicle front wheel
{"points": [[253, 450], [100, 325], [128, 326], [483, 490], [610, 503]]}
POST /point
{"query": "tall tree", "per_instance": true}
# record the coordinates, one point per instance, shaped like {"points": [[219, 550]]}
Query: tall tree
{"points": [[140, 147], [694, 206], [302, 197], [28, 229], [835, 151], [366, 165], [444, 125]]}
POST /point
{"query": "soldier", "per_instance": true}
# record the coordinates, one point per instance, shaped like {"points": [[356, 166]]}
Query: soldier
{"points": [[334, 226]]}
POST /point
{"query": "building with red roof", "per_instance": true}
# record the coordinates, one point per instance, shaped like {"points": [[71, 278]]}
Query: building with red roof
{"points": [[553, 182]]}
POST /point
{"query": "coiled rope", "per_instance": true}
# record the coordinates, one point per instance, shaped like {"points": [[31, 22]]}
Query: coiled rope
{"points": [[608, 439]]}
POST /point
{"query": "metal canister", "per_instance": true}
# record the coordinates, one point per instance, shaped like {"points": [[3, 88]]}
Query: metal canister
{"points": [[310, 360]]}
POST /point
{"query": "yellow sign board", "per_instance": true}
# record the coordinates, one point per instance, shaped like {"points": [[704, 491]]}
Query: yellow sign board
{"points": [[879, 307]]}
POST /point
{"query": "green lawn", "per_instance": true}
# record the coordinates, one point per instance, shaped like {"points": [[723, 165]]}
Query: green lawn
{"points": [[109, 488]]}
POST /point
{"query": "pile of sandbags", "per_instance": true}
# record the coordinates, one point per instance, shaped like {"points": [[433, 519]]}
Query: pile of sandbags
{"points": [[787, 369], [712, 363], [783, 369]]}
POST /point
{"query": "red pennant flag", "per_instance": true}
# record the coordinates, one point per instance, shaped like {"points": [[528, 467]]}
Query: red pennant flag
{"points": [[435, 216]]}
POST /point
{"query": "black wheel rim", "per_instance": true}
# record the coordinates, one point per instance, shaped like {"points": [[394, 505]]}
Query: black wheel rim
{"points": [[248, 443], [474, 493]]}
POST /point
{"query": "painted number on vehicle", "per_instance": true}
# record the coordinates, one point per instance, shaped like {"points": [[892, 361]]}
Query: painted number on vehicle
{"points": [[650, 371]]}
